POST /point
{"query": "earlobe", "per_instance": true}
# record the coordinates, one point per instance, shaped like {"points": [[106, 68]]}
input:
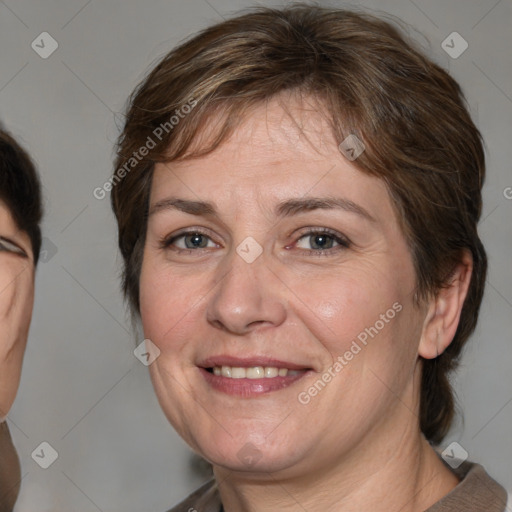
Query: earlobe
{"points": [[444, 310]]}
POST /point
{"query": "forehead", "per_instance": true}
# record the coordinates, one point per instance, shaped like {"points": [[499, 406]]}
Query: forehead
{"points": [[284, 148], [6, 218], [298, 123]]}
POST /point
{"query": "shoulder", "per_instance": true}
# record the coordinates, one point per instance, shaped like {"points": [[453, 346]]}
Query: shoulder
{"points": [[205, 499], [10, 474], [476, 492]]}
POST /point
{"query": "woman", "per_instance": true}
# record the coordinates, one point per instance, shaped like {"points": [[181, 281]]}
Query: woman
{"points": [[20, 241], [297, 193]]}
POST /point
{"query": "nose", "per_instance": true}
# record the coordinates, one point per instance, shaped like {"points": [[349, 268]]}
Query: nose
{"points": [[248, 296]]}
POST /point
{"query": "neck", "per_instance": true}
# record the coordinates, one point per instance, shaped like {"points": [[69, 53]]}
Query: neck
{"points": [[408, 484], [390, 469]]}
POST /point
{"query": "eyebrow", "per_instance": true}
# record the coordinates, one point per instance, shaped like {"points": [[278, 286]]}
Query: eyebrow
{"points": [[286, 208]]}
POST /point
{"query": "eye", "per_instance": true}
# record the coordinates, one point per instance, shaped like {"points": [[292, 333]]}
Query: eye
{"points": [[8, 246], [322, 240], [188, 240]]}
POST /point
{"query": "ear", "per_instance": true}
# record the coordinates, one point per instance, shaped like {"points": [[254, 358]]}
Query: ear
{"points": [[444, 310]]}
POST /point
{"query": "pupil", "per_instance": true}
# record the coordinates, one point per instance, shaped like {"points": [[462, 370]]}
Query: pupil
{"points": [[196, 240], [320, 241]]}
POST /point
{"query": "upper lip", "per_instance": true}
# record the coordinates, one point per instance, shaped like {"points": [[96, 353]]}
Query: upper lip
{"points": [[248, 362]]}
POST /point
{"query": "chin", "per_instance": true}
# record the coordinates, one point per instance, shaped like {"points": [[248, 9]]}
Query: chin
{"points": [[258, 463], [246, 453]]}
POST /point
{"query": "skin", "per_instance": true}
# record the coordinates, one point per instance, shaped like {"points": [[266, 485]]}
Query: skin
{"points": [[357, 444], [16, 301]]}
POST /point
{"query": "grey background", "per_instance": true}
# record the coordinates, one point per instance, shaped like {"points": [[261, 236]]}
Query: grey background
{"points": [[82, 389]]}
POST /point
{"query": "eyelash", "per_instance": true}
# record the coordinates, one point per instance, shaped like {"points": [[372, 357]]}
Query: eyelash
{"points": [[8, 246], [343, 242]]}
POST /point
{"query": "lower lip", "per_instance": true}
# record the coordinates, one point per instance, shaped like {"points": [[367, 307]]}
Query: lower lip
{"points": [[249, 387]]}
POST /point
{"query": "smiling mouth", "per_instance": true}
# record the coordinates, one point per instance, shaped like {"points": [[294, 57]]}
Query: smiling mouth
{"points": [[253, 372], [251, 381]]}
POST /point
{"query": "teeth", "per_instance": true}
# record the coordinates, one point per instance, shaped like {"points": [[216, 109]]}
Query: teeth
{"points": [[257, 372], [271, 372], [238, 373], [254, 372]]}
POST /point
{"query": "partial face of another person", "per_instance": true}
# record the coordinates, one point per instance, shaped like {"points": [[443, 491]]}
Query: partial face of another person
{"points": [[327, 272], [16, 301]]}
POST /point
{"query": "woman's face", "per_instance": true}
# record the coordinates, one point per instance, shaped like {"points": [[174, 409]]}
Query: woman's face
{"points": [[16, 300], [275, 252]]}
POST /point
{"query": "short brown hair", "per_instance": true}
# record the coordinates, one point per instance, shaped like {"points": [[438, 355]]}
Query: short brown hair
{"points": [[410, 114], [20, 189]]}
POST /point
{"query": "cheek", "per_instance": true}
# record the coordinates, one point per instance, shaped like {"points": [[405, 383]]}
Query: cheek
{"points": [[16, 296], [16, 300], [340, 306], [168, 305], [155, 310], [7, 291], [364, 316]]}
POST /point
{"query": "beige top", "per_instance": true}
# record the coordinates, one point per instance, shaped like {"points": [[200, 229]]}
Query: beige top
{"points": [[476, 492], [10, 473]]}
